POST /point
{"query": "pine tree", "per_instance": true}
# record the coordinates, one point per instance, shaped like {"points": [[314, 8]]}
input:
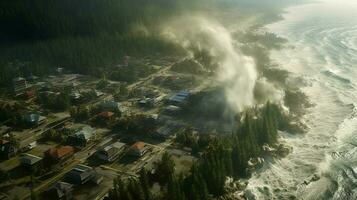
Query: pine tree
{"points": [[144, 181], [165, 168], [174, 189]]}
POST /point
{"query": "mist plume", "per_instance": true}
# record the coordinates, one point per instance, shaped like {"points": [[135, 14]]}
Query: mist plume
{"points": [[236, 72]]}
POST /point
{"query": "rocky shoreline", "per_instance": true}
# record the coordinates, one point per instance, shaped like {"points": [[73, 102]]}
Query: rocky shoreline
{"points": [[296, 103]]}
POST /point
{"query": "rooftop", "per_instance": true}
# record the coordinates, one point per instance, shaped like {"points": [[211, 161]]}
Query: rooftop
{"points": [[86, 131], [110, 104], [60, 189], [2, 142], [138, 145], [180, 96], [33, 118], [29, 159], [60, 152], [80, 174], [118, 145], [81, 168], [106, 114]]}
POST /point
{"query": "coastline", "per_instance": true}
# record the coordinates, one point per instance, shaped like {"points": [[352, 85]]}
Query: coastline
{"points": [[274, 73], [315, 169]]}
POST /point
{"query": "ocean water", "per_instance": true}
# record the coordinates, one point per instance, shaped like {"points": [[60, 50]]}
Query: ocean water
{"points": [[322, 50]]}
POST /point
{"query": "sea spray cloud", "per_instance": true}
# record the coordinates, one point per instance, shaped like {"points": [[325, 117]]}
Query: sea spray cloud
{"points": [[266, 91], [236, 72]]}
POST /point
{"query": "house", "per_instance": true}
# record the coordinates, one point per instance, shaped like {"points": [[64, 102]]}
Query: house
{"points": [[32, 162], [33, 119], [111, 152], [80, 174], [107, 115], [59, 155], [30, 94], [19, 85], [112, 106], [96, 93], [163, 132], [76, 96], [60, 70], [82, 136], [147, 102], [60, 191], [7, 150], [138, 149], [180, 98], [44, 95], [105, 118], [29, 159], [171, 110]]}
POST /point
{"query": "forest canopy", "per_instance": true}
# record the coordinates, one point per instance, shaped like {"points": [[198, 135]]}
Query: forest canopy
{"points": [[81, 35]]}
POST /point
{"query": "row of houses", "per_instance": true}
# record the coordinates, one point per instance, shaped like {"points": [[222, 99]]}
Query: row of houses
{"points": [[82, 174], [79, 139], [56, 156], [112, 152], [79, 175], [22, 85]]}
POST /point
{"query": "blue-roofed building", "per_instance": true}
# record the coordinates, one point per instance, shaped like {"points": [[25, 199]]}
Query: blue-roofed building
{"points": [[82, 136], [180, 98]]}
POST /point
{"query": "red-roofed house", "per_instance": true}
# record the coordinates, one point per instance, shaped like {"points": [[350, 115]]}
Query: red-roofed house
{"points": [[30, 94], [106, 115], [105, 118], [138, 149], [59, 155]]}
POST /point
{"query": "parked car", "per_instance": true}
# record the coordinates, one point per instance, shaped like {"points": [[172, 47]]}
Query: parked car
{"points": [[32, 145]]}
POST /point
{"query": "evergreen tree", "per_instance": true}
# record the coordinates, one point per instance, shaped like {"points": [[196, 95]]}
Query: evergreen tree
{"points": [[165, 168], [144, 181], [196, 185], [174, 189]]}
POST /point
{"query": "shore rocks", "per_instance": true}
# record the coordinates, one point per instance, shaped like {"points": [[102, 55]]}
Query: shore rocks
{"points": [[255, 163], [234, 189], [278, 150]]}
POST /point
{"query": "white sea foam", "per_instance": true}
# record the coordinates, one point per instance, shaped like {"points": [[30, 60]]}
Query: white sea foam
{"points": [[324, 38]]}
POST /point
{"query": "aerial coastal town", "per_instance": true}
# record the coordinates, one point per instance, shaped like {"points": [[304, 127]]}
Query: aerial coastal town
{"points": [[70, 135], [178, 100]]}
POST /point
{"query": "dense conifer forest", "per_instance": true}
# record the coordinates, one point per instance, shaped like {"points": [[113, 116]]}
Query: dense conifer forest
{"points": [[82, 35]]}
